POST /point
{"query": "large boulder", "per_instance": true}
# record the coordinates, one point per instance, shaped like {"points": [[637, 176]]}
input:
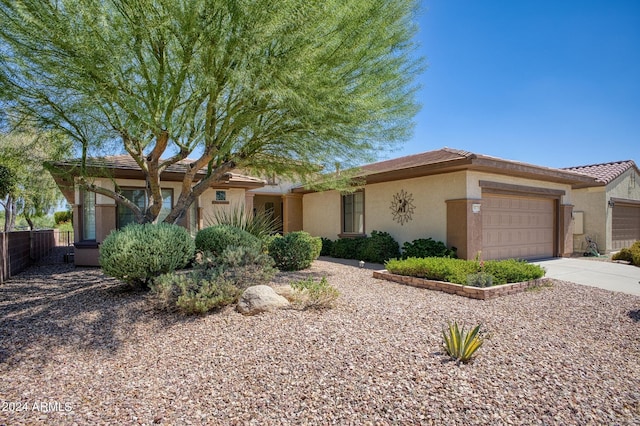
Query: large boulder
{"points": [[260, 298]]}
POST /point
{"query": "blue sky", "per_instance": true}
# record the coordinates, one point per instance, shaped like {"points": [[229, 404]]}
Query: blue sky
{"points": [[553, 83]]}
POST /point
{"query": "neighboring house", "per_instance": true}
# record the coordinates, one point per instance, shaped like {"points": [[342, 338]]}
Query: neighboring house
{"points": [[96, 215], [608, 209], [479, 204]]}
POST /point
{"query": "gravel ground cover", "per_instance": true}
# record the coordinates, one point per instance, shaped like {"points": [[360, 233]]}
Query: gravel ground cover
{"points": [[76, 348]]}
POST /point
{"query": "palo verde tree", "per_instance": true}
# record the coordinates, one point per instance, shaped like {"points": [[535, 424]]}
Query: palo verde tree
{"points": [[275, 86]]}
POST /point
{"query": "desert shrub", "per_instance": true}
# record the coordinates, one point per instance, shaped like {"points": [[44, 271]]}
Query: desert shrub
{"points": [[459, 344], [314, 294], [242, 266], [194, 293], [295, 251], [215, 239], [624, 254], [327, 245], [347, 248], [62, 217], [458, 270], [215, 281], [137, 253], [427, 247], [379, 247], [631, 254]]}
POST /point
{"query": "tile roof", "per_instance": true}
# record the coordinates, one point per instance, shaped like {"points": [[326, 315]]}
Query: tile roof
{"points": [[126, 162], [605, 172]]}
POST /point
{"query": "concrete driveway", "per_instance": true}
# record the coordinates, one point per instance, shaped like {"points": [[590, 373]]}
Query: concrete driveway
{"points": [[596, 273]]}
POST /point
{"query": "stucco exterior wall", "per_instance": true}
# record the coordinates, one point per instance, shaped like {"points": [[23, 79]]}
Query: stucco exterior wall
{"points": [[593, 203], [321, 214], [429, 217], [207, 202], [429, 195], [474, 190]]}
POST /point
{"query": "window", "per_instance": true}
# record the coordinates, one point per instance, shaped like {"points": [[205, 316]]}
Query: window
{"points": [[353, 213], [88, 215], [221, 195], [139, 198]]}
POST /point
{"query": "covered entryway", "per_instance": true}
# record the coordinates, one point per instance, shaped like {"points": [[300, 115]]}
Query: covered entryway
{"points": [[519, 227], [625, 225]]}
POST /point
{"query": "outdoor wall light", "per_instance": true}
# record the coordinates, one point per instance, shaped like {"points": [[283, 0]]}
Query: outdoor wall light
{"points": [[611, 203]]}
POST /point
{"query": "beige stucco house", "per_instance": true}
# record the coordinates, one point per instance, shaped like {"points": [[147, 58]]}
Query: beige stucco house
{"points": [[477, 203], [607, 209]]}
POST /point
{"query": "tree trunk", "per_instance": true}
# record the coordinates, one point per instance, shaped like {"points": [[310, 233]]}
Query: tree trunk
{"points": [[10, 214]]}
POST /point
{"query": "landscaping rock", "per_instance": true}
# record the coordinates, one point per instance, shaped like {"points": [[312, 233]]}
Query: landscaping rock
{"points": [[260, 298], [285, 291]]}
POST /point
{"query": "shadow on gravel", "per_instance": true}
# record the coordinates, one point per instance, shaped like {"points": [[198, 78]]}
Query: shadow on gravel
{"points": [[50, 306], [634, 315]]}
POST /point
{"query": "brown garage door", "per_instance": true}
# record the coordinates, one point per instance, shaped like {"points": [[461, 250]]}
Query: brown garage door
{"points": [[625, 225], [517, 227]]}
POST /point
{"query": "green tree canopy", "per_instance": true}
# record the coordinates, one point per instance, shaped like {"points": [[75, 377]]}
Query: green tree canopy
{"points": [[277, 86], [33, 192]]}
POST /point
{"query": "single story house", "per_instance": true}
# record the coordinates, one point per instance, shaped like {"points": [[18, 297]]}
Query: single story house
{"points": [[96, 215], [607, 210], [481, 205]]}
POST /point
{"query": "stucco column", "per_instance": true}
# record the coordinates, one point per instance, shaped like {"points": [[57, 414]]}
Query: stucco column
{"points": [[464, 226], [565, 228], [291, 213], [248, 203]]}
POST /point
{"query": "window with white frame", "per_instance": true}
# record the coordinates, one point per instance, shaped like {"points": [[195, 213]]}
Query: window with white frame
{"points": [[88, 215]]}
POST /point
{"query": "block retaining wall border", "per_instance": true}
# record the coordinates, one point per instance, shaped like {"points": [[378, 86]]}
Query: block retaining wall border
{"points": [[459, 289]]}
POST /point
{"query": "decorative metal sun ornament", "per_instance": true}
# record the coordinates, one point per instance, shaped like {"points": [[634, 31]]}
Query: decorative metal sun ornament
{"points": [[402, 207]]}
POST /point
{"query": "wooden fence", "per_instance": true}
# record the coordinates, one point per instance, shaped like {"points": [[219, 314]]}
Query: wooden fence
{"points": [[20, 249]]}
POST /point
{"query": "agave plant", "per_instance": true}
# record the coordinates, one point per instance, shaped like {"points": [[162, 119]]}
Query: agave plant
{"points": [[459, 344]]}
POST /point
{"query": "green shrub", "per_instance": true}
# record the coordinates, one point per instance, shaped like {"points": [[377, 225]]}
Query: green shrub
{"points": [[242, 266], [348, 248], [327, 245], [214, 281], [314, 294], [379, 247], [480, 279], [62, 217], [138, 253], [194, 293], [215, 239], [458, 270], [624, 254], [631, 254], [460, 345], [261, 225], [512, 271], [295, 251], [427, 247]]}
